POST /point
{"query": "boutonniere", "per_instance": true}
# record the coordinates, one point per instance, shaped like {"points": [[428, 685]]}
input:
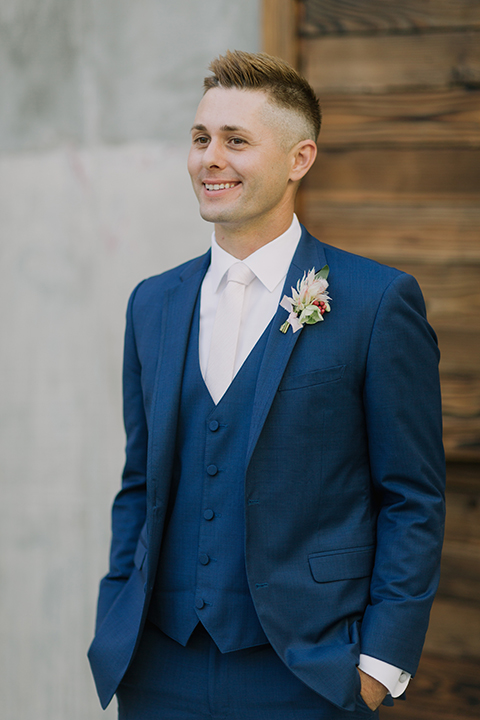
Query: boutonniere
{"points": [[309, 302]]}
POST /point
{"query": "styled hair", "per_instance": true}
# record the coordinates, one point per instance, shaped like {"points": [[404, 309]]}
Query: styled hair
{"points": [[259, 71]]}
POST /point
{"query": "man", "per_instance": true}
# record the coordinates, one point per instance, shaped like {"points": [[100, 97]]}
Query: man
{"points": [[277, 537]]}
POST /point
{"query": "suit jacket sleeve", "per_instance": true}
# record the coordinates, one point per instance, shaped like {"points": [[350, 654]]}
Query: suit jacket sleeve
{"points": [[129, 507], [403, 416]]}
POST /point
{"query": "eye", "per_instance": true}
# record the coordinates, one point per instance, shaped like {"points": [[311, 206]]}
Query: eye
{"points": [[201, 140], [237, 142]]}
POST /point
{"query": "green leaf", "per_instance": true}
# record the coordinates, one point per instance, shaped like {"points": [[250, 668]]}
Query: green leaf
{"points": [[323, 273], [312, 316]]}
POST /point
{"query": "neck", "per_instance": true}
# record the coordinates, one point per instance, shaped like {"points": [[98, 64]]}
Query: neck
{"points": [[246, 239]]}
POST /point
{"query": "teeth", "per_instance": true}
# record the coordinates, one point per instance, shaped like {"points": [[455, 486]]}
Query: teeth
{"points": [[220, 186]]}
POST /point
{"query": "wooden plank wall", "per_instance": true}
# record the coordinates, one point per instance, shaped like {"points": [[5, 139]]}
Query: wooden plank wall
{"points": [[398, 180]]}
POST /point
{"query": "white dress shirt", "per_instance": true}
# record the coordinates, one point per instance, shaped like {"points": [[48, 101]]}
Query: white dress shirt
{"points": [[262, 296]]}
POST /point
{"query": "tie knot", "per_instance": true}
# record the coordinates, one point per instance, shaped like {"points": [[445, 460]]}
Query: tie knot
{"points": [[240, 273]]}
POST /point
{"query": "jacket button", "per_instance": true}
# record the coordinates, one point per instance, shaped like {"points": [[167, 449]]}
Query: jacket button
{"points": [[212, 470], [204, 559], [199, 603], [209, 514], [213, 425]]}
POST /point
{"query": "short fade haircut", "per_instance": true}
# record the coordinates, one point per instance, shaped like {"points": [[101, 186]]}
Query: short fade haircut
{"points": [[259, 71]]}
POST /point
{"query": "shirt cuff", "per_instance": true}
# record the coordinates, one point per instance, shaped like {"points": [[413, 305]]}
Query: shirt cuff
{"points": [[394, 679]]}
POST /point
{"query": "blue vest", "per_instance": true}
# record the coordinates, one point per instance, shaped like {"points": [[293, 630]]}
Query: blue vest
{"points": [[201, 573]]}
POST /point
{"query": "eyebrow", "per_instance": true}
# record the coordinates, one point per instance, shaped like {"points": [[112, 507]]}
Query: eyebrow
{"points": [[224, 128]]}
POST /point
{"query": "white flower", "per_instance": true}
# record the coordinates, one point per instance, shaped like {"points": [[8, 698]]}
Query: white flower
{"points": [[309, 302]]}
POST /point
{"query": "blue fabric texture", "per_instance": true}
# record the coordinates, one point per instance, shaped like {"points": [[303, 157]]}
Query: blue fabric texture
{"points": [[167, 681], [344, 474], [201, 574]]}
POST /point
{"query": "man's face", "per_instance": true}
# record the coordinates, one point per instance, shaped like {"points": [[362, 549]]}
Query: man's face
{"points": [[239, 163]]}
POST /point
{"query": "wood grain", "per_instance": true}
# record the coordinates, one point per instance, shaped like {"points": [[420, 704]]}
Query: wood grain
{"points": [[454, 629], [452, 296], [460, 578], [460, 351], [461, 438], [448, 170], [461, 394], [385, 63], [396, 229], [460, 379], [424, 119], [443, 689], [463, 516], [322, 17], [279, 23], [463, 479]]}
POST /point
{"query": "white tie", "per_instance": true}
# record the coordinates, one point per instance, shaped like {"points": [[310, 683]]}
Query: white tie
{"points": [[223, 347]]}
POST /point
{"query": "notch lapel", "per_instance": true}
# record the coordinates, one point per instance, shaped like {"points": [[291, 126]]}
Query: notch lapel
{"points": [[178, 308], [309, 253]]}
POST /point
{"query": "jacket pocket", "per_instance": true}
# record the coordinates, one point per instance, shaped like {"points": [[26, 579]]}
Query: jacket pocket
{"points": [[317, 377], [342, 564]]}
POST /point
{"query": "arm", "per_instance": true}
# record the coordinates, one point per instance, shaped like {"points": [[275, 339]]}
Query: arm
{"points": [[403, 415], [129, 507]]}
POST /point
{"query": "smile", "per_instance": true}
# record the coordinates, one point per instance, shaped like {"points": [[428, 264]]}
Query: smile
{"points": [[220, 186]]}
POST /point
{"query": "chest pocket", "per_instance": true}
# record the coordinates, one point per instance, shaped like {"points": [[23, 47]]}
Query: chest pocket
{"points": [[317, 377]]}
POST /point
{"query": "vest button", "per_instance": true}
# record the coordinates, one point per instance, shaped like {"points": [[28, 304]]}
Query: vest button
{"points": [[209, 514], [199, 603], [213, 425], [204, 559], [212, 469]]}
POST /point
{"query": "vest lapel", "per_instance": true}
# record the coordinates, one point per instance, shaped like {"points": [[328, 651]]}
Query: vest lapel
{"points": [[309, 253]]}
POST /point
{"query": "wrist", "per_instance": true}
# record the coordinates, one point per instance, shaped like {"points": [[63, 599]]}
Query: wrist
{"points": [[372, 691]]}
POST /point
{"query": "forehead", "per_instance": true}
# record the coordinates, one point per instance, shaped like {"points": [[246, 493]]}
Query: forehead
{"points": [[233, 107]]}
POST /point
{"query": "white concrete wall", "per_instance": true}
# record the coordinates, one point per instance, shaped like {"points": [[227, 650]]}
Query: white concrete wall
{"points": [[97, 97]]}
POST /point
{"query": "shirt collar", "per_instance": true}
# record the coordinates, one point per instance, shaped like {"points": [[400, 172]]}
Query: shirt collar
{"points": [[270, 263]]}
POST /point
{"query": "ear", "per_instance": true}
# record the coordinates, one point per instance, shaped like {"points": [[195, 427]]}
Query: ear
{"points": [[303, 157]]}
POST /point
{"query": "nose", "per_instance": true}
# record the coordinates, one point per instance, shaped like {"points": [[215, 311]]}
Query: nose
{"points": [[214, 155]]}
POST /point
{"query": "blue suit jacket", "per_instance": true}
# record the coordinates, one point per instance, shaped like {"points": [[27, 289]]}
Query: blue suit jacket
{"points": [[344, 482]]}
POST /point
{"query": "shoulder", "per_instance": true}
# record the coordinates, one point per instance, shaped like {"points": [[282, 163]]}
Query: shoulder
{"points": [[354, 266], [151, 290], [171, 278], [364, 277], [361, 286]]}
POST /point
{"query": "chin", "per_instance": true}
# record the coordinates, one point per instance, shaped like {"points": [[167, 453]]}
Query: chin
{"points": [[214, 215]]}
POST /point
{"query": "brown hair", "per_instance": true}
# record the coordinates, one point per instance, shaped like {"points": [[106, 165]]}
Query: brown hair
{"points": [[259, 71]]}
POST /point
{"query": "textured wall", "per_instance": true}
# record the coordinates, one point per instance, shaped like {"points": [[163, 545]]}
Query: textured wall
{"points": [[110, 70], [97, 101]]}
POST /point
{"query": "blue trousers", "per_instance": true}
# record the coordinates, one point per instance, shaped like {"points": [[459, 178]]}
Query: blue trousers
{"points": [[167, 681]]}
